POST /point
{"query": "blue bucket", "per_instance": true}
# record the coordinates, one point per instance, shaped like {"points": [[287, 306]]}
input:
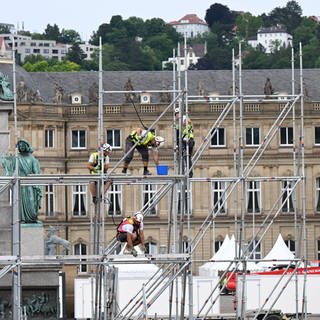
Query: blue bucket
{"points": [[162, 170]]}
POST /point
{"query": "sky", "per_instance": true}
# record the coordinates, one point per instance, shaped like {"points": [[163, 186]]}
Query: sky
{"points": [[85, 16]]}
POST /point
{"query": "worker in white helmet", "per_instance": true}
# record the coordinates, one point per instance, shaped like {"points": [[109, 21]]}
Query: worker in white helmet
{"points": [[187, 137], [143, 139], [130, 230], [95, 167]]}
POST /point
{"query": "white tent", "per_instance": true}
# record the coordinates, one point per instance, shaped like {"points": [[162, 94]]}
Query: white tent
{"points": [[226, 252], [279, 251], [210, 268]]}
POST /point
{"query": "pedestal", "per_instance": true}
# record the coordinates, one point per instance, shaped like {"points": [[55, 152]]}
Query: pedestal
{"points": [[32, 239]]}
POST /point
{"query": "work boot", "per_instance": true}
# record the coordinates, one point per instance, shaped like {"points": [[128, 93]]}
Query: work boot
{"points": [[125, 172], [94, 200], [134, 252], [146, 172]]}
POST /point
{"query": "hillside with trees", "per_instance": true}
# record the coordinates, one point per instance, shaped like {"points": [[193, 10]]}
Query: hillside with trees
{"points": [[135, 44]]}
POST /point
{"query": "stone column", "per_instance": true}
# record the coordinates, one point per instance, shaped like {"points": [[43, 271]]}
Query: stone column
{"points": [[5, 207]]}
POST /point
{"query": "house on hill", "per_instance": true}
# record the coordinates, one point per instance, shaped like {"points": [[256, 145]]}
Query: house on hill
{"points": [[271, 38], [190, 25]]}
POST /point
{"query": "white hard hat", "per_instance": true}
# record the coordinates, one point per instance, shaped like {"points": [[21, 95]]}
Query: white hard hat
{"points": [[106, 147], [176, 110], [139, 217], [159, 141]]}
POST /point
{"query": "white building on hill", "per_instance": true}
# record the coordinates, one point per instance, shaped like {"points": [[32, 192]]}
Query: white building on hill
{"points": [[271, 38], [50, 49], [191, 25]]}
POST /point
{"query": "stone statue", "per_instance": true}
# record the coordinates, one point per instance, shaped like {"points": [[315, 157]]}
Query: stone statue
{"points": [[200, 88], [268, 90], [30, 195], [22, 91], [305, 91], [230, 91], [58, 93], [165, 97], [129, 87], [53, 240], [94, 93], [5, 93]]}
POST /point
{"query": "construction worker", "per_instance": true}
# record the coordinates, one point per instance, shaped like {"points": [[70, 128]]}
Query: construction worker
{"points": [[130, 231], [94, 165], [187, 138], [145, 139]]}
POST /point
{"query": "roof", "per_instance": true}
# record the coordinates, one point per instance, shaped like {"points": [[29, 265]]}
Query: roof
{"points": [[218, 81], [273, 29], [279, 251], [189, 19]]}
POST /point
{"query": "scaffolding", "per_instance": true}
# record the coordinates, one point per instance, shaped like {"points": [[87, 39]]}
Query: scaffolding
{"points": [[176, 262]]}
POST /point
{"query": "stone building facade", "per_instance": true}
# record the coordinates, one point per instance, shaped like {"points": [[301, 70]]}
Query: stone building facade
{"points": [[63, 134]]}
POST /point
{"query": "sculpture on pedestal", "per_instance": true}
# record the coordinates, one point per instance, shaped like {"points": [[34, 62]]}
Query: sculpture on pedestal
{"points": [[53, 240], [5, 93], [30, 196]]}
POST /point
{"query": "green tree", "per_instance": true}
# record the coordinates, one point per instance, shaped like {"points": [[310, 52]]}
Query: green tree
{"points": [[4, 29], [39, 66], [64, 66], [52, 32], [247, 25], [75, 54], [32, 58], [219, 13], [69, 36], [289, 16], [305, 32], [134, 26]]}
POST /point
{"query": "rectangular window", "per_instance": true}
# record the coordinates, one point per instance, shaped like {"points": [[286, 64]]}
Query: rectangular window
{"points": [[256, 253], [78, 139], [286, 191], [291, 244], [50, 200], [188, 200], [49, 138], [252, 136], [148, 194], [218, 196], [36, 51], [286, 136], [46, 51], [114, 138], [151, 247], [218, 138], [80, 249], [115, 200], [317, 135], [253, 196], [79, 200], [317, 194], [27, 50]]}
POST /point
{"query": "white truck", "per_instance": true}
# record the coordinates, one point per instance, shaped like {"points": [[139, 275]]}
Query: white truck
{"points": [[278, 295]]}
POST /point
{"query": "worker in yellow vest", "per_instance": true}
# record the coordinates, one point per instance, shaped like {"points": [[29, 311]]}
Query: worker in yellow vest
{"points": [[187, 138], [143, 139], [95, 167]]}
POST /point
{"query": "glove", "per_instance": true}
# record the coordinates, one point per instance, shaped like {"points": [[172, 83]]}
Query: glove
{"points": [[134, 252], [143, 248]]}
